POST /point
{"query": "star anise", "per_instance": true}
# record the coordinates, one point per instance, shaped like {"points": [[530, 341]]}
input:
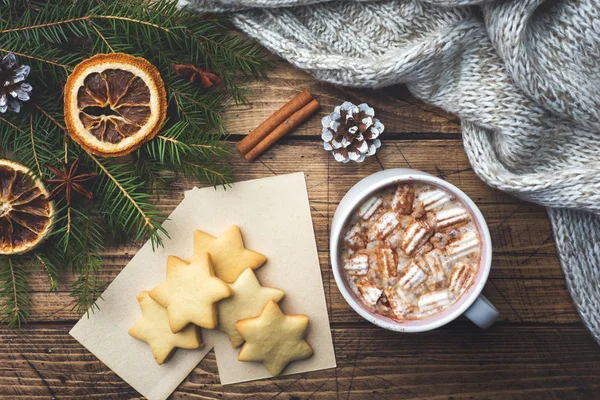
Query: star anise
{"points": [[192, 74], [70, 180]]}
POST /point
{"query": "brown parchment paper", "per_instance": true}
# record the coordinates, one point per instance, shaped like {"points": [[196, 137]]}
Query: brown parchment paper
{"points": [[274, 216]]}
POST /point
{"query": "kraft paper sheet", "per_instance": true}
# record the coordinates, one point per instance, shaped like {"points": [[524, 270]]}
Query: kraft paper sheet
{"points": [[274, 216]]}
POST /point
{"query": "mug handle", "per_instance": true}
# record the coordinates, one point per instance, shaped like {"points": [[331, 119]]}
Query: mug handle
{"points": [[482, 313]]}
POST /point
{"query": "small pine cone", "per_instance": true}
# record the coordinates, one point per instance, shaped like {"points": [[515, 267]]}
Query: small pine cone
{"points": [[351, 132], [12, 86]]}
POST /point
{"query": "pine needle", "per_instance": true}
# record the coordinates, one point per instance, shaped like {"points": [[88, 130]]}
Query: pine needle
{"points": [[14, 299], [53, 37]]}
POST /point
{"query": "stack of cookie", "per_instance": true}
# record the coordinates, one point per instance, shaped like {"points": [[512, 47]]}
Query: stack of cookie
{"points": [[217, 288]]}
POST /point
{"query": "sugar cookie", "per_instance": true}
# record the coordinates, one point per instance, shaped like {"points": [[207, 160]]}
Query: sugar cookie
{"points": [[248, 300], [229, 256], [153, 328], [274, 338], [190, 292]]}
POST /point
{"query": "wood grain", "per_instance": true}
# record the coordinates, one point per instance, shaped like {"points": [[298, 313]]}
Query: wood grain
{"points": [[538, 349], [404, 115], [457, 362], [524, 249]]}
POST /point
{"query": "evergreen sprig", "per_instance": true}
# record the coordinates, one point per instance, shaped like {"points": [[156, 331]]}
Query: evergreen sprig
{"points": [[54, 36]]}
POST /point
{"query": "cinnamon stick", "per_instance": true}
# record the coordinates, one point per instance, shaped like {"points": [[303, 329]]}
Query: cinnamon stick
{"points": [[261, 132], [293, 121]]}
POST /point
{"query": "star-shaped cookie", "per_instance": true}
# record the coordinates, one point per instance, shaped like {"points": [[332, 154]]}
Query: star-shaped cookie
{"points": [[274, 338], [228, 253], [190, 292], [153, 328], [248, 300]]}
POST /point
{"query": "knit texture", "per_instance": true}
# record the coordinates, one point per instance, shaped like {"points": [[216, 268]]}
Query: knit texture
{"points": [[523, 76]]}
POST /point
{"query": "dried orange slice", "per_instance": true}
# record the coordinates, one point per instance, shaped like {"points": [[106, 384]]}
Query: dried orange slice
{"points": [[26, 214], [114, 103]]}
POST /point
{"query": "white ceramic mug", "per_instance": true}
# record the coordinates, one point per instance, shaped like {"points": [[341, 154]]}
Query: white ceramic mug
{"points": [[472, 303]]}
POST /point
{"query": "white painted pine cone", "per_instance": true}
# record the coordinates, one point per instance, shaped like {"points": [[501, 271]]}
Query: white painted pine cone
{"points": [[351, 132]]}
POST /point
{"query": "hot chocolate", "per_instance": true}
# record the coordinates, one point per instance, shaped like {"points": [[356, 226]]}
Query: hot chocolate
{"points": [[411, 250]]}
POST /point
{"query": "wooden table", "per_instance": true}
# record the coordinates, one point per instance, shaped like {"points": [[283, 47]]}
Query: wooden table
{"points": [[539, 349]]}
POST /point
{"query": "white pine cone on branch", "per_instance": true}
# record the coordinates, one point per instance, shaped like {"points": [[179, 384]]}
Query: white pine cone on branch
{"points": [[351, 132]]}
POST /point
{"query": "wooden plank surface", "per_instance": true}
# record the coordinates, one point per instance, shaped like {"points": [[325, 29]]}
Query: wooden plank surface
{"points": [[538, 350], [454, 362], [400, 112]]}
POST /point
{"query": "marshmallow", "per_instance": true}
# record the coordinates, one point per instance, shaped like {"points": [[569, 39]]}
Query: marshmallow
{"points": [[369, 207], [434, 300], [415, 236], [451, 216], [403, 199], [383, 226], [357, 265], [462, 247], [434, 199], [461, 279]]}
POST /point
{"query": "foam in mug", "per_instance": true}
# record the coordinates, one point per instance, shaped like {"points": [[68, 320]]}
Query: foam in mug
{"points": [[410, 251]]}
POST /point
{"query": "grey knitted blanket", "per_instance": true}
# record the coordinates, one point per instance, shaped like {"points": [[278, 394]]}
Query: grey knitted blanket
{"points": [[523, 76]]}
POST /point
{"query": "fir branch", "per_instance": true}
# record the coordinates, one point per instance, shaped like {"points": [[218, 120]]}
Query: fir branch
{"points": [[14, 300], [87, 287], [32, 57], [130, 210], [7, 136], [61, 127], [51, 270], [88, 236], [179, 143], [53, 37], [61, 228], [87, 18], [147, 221], [7, 122], [101, 36], [155, 174], [137, 21], [214, 176], [46, 114], [193, 109], [37, 162]]}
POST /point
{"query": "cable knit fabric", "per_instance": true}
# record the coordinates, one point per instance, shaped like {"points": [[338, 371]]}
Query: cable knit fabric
{"points": [[523, 76]]}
